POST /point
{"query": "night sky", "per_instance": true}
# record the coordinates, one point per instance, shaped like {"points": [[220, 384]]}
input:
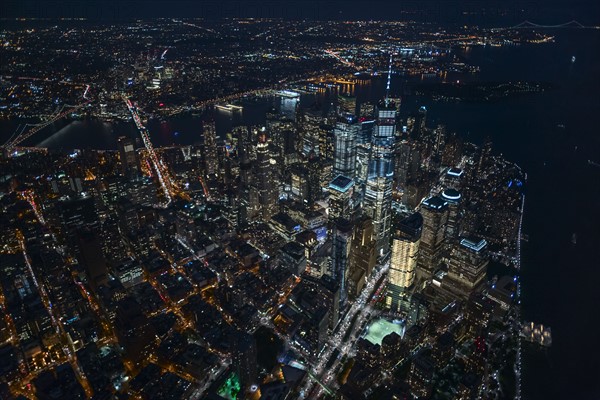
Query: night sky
{"points": [[481, 12]]}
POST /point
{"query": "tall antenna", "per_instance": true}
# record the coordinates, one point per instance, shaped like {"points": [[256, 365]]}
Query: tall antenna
{"points": [[387, 88]]}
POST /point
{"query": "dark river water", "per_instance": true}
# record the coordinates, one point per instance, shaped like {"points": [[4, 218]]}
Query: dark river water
{"points": [[551, 135]]}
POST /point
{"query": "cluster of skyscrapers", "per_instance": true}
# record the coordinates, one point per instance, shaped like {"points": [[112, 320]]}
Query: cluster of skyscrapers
{"points": [[362, 170]]}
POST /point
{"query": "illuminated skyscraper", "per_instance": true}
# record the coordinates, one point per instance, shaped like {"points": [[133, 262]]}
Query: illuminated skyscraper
{"points": [[468, 264], [312, 134], [378, 192], [453, 198], [401, 160], [340, 214], [378, 206], [363, 154], [340, 254], [340, 196], [435, 218], [344, 159], [211, 163], [405, 248], [245, 203], [362, 256], [129, 160], [266, 185], [314, 187]]}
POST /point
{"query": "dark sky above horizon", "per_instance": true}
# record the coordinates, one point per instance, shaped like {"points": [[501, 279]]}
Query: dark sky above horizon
{"points": [[484, 12]]}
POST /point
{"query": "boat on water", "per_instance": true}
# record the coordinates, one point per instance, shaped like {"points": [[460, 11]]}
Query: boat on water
{"points": [[573, 59], [595, 164], [574, 238]]}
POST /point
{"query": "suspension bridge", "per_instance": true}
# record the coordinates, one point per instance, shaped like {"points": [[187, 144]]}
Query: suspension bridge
{"points": [[25, 131], [569, 24]]}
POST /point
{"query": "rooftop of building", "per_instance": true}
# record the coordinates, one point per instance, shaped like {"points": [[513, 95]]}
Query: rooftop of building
{"points": [[451, 195], [285, 220], [435, 203], [293, 249], [455, 172], [412, 224], [473, 243], [341, 183]]}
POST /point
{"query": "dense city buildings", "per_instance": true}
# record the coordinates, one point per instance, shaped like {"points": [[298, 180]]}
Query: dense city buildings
{"points": [[314, 239]]}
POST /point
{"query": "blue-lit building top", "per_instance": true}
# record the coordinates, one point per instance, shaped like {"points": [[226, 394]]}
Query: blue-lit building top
{"points": [[340, 193], [456, 172], [435, 203], [474, 244], [341, 183], [451, 195], [411, 226]]}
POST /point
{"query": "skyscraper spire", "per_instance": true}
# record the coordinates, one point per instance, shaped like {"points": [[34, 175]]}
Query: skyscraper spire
{"points": [[387, 88]]}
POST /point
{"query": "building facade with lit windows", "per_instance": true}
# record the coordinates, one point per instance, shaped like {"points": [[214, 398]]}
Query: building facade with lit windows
{"points": [[267, 186], [346, 132], [405, 249], [340, 216], [340, 254], [378, 191], [211, 162], [453, 198], [468, 263], [435, 217], [340, 197]]}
